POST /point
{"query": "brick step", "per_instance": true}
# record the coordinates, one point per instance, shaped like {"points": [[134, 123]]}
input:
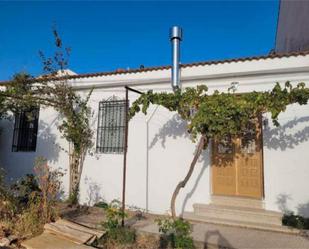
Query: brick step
{"points": [[250, 225], [238, 214]]}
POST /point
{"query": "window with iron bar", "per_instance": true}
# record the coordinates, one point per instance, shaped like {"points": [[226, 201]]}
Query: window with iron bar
{"points": [[26, 130], [111, 126]]}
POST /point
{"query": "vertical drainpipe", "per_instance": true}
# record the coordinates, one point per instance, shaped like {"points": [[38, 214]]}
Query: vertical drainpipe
{"points": [[175, 37]]}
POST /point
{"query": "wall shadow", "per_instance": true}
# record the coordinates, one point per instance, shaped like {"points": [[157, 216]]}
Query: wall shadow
{"points": [[92, 151], [282, 202], [175, 127], [303, 209], [279, 138], [206, 162], [93, 192], [47, 144], [221, 241], [148, 120], [18, 164]]}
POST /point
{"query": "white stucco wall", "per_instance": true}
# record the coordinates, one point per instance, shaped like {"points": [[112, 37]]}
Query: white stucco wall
{"points": [[286, 158], [160, 150]]}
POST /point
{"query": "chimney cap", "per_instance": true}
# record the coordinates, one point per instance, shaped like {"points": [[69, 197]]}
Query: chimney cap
{"points": [[176, 33]]}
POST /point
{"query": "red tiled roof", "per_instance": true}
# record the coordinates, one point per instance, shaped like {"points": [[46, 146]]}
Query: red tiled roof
{"points": [[194, 64]]}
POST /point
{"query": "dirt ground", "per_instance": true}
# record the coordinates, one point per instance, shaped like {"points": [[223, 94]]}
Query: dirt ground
{"points": [[94, 216]]}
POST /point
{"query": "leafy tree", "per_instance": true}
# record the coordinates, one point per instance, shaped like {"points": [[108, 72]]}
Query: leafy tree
{"points": [[53, 90], [220, 114]]}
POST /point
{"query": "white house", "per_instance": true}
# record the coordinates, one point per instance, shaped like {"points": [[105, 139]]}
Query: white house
{"points": [[160, 150]]}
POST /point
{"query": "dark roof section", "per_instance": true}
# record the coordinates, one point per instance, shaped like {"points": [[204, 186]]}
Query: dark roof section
{"points": [[158, 68]]}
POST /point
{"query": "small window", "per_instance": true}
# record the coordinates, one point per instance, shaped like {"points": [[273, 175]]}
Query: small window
{"points": [[111, 126], [25, 130]]}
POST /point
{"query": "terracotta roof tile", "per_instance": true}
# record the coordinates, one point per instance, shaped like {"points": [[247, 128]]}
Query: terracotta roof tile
{"points": [[186, 65]]}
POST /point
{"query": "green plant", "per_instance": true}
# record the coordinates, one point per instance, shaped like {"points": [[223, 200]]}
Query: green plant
{"points": [[114, 215], [296, 221], [176, 233], [112, 225], [101, 204]]}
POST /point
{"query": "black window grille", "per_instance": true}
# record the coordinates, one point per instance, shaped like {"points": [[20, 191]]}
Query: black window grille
{"points": [[25, 130], [111, 126]]}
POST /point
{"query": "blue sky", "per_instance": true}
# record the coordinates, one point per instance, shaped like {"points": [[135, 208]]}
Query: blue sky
{"points": [[105, 36]]}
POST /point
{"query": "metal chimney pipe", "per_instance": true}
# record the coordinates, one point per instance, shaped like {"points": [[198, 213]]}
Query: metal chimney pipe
{"points": [[175, 37]]}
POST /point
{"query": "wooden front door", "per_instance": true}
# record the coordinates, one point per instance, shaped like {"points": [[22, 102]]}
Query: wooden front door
{"points": [[237, 165]]}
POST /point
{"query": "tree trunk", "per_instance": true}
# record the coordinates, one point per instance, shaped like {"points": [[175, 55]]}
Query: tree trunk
{"points": [[80, 166], [74, 171], [182, 184], [76, 167]]}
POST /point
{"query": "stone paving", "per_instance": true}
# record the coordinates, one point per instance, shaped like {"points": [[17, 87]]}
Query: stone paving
{"points": [[212, 236], [228, 237]]}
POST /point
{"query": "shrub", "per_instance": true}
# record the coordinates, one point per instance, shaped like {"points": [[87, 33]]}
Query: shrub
{"points": [[114, 215], [49, 182], [112, 225], [175, 233], [8, 206], [30, 222], [101, 204], [295, 221], [24, 188], [36, 198]]}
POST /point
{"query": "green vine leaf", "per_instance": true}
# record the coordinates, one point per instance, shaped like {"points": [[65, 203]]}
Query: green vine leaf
{"points": [[222, 114]]}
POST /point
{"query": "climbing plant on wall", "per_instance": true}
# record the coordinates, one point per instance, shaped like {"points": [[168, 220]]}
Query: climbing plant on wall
{"points": [[218, 115], [53, 90]]}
